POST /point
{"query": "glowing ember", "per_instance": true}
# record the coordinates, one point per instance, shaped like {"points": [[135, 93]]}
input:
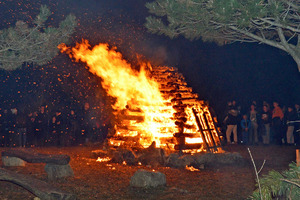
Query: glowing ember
{"points": [[103, 159], [152, 104], [191, 168], [110, 166]]}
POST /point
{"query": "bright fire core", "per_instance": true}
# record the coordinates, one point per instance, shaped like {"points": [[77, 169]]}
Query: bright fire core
{"points": [[143, 113]]}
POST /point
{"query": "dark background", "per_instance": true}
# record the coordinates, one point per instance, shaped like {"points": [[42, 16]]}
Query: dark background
{"points": [[243, 72]]}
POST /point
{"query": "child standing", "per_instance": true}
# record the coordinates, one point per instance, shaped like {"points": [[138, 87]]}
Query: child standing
{"points": [[245, 124]]}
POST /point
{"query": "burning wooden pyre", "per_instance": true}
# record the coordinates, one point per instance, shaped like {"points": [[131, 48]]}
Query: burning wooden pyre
{"points": [[153, 106], [193, 130]]}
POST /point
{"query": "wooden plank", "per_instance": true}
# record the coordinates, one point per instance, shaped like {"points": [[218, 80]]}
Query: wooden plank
{"points": [[201, 130], [189, 135], [39, 188], [188, 146]]}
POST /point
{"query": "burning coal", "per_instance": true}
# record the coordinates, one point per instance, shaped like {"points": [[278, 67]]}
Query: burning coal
{"points": [[152, 104]]}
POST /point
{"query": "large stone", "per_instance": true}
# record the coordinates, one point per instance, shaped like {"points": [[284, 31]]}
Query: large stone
{"points": [[187, 159], [12, 161], [58, 171], [145, 179], [176, 161], [219, 159]]}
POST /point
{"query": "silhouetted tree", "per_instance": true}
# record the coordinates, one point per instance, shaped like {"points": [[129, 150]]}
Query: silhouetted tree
{"points": [[272, 22], [34, 45]]}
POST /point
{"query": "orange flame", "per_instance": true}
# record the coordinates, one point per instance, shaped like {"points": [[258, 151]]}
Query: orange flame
{"points": [[106, 159], [191, 168], [144, 115], [134, 91]]}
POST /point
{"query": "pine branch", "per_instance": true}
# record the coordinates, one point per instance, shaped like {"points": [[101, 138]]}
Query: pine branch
{"points": [[37, 44], [292, 182]]}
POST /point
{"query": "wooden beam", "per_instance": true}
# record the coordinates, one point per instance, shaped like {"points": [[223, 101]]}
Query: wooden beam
{"points": [[201, 130]]}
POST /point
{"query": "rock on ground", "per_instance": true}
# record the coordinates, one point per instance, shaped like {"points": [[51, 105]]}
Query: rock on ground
{"points": [[219, 159], [145, 179], [176, 161], [12, 161], [58, 171]]}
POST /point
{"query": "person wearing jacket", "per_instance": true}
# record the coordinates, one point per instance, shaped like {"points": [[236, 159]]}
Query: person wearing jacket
{"points": [[266, 121], [253, 133], [246, 125], [291, 117], [277, 116], [231, 121]]}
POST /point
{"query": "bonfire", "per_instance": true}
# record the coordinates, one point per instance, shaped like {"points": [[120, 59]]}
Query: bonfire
{"points": [[153, 106]]}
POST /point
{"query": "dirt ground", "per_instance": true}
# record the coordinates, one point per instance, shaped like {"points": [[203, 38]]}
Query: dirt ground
{"points": [[95, 180]]}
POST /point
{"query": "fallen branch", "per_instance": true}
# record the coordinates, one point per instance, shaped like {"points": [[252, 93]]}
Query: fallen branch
{"points": [[257, 172], [292, 182]]}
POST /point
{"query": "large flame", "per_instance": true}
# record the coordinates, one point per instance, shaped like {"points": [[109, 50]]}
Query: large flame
{"points": [[134, 91], [144, 115]]}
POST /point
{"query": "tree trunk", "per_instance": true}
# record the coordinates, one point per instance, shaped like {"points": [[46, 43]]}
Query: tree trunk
{"points": [[297, 60]]}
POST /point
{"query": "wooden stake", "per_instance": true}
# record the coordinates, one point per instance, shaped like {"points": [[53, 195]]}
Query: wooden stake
{"points": [[298, 157]]}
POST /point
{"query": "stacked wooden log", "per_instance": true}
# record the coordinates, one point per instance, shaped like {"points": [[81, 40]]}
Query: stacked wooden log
{"points": [[191, 117], [174, 87]]}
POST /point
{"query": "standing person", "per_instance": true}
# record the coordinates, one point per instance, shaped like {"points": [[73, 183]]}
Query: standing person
{"points": [[246, 125], [231, 121], [13, 135], [266, 121], [30, 129], [291, 117], [86, 123], [265, 103], [41, 126], [72, 128], [277, 116], [253, 134], [297, 110], [5, 127], [52, 131], [59, 129], [56, 127], [21, 128]]}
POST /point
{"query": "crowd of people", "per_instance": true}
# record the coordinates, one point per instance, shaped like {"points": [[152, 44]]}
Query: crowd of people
{"points": [[262, 124], [259, 124], [63, 127]]}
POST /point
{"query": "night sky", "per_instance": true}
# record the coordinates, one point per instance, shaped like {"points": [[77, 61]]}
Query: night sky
{"points": [[243, 72]]}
